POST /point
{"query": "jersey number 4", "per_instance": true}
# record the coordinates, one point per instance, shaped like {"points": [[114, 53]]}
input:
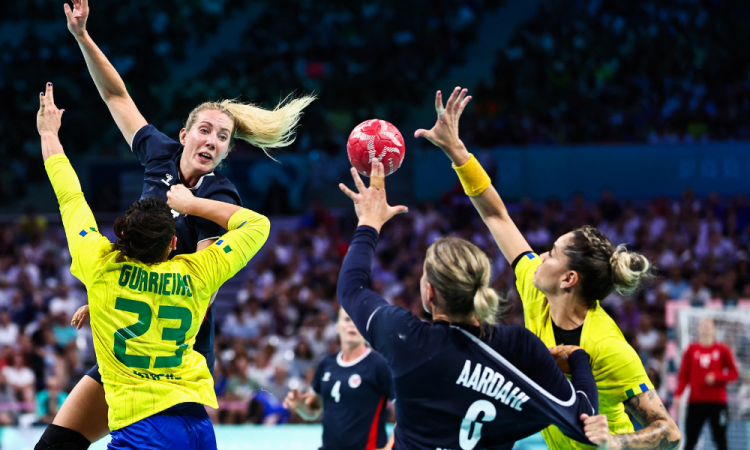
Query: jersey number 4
{"points": [[471, 427], [139, 328], [336, 391]]}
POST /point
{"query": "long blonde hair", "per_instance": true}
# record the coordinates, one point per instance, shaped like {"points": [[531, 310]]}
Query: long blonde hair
{"points": [[257, 126]]}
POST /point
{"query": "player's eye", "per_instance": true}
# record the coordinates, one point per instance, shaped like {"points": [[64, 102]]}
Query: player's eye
{"points": [[204, 131], [223, 138]]}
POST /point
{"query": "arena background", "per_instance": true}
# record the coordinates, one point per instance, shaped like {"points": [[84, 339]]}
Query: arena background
{"points": [[630, 116]]}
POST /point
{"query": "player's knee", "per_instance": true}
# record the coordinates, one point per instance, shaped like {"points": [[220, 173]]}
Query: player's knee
{"points": [[56, 437]]}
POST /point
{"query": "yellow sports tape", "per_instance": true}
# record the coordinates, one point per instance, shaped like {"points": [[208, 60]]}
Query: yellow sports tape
{"points": [[473, 177]]}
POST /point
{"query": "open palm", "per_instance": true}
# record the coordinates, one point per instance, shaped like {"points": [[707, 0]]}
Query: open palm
{"points": [[77, 16]]}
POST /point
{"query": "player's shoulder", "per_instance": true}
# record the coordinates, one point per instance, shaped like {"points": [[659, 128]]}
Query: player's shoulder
{"points": [[328, 361], [217, 185], [149, 134]]}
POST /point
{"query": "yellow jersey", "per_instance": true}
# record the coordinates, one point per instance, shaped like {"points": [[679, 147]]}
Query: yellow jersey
{"points": [[145, 318], [617, 369]]}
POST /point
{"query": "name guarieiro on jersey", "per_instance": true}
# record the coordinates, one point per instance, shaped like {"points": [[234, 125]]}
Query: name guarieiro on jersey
{"points": [[145, 318]]}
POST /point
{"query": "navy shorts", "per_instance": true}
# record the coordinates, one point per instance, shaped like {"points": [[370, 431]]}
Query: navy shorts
{"points": [[184, 426]]}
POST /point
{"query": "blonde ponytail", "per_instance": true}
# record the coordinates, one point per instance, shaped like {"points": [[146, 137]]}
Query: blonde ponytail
{"points": [[628, 269], [257, 126], [486, 303]]}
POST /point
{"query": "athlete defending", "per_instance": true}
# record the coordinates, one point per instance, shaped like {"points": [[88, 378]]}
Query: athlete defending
{"points": [[203, 144], [351, 389], [146, 310], [486, 385], [560, 291]]}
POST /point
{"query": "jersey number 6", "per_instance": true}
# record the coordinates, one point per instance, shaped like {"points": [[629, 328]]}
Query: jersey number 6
{"points": [[139, 328], [468, 438]]}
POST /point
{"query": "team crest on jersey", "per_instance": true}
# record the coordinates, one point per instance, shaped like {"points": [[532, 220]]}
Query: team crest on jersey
{"points": [[355, 381], [716, 355], [167, 180], [326, 376]]}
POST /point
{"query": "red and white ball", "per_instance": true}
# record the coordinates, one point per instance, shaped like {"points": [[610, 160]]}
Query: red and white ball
{"points": [[375, 139]]}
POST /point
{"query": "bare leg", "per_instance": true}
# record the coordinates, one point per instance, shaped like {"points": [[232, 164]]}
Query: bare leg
{"points": [[85, 410]]}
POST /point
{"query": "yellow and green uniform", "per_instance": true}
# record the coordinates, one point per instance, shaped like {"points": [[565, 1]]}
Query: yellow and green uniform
{"points": [[145, 317], [617, 369]]}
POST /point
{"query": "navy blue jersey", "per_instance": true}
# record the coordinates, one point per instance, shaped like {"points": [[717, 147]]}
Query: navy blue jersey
{"points": [[160, 155], [354, 398], [459, 387]]}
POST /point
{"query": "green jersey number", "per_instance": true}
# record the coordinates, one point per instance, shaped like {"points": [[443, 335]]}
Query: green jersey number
{"points": [[144, 323]]}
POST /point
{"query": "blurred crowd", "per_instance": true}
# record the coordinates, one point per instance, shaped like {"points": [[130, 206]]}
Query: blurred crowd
{"points": [[276, 319], [600, 71]]}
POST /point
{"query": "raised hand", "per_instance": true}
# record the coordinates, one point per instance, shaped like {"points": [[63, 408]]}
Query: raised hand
{"points": [[596, 429], [444, 133], [293, 400], [79, 318], [77, 16], [48, 117], [371, 204], [180, 198]]}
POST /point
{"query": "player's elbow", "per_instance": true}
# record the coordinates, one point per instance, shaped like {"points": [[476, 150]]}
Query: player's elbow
{"points": [[674, 436]]}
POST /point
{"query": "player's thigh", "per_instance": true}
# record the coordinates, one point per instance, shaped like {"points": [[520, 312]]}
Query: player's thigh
{"points": [[85, 410]]}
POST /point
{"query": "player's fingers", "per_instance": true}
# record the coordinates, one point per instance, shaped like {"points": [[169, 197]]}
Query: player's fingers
{"points": [[358, 181], [349, 193], [50, 95], [583, 417], [452, 99], [85, 5], [400, 209], [462, 106], [41, 103], [438, 101], [420, 133], [378, 168], [459, 98]]}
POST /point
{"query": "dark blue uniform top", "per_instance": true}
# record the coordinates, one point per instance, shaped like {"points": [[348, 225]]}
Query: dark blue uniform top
{"points": [[160, 155], [354, 398], [458, 388]]}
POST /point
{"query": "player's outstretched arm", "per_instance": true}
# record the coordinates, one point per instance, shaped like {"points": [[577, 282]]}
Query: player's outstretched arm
{"points": [[84, 241], [108, 81], [477, 184]]}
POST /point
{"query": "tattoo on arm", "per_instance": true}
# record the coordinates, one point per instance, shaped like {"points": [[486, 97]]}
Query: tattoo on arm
{"points": [[657, 433]]}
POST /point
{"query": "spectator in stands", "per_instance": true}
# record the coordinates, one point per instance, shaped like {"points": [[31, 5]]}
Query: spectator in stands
{"points": [[64, 302], [698, 293], [676, 287], [21, 380], [8, 329], [49, 401]]}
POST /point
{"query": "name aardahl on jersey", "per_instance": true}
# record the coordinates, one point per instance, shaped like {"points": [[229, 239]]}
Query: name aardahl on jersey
{"points": [[492, 384]]}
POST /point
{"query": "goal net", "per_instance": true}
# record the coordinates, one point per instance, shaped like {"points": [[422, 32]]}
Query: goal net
{"points": [[732, 329]]}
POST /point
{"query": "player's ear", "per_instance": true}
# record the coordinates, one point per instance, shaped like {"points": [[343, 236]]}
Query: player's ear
{"points": [[569, 279], [183, 135], [173, 244]]}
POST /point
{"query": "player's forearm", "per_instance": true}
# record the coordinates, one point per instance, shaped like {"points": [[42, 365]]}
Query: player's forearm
{"points": [[494, 214], [213, 210], [51, 145], [582, 377], [108, 82], [659, 429], [656, 436]]}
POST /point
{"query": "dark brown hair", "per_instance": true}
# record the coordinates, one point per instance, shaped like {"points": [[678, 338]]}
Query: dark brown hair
{"points": [[603, 267], [145, 231]]}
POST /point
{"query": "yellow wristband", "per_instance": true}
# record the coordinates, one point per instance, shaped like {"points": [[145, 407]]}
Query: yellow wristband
{"points": [[473, 177]]}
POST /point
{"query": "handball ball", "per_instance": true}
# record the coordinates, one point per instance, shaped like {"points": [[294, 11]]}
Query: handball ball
{"points": [[373, 139]]}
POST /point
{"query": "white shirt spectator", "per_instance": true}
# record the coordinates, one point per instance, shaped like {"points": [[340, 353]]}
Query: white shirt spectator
{"points": [[18, 377], [8, 334]]}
